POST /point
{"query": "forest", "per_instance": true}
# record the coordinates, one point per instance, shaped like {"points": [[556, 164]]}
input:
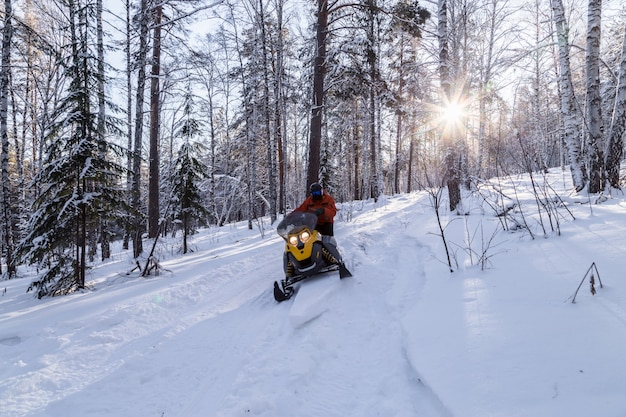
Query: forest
{"points": [[133, 119]]}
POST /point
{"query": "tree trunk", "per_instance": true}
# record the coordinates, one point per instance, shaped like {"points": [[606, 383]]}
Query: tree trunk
{"points": [[593, 100], [7, 207], [451, 168], [618, 124], [356, 139], [280, 111], [569, 110], [129, 120], [373, 75], [270, 142], [105, 247], [319, 70], [141, 85], [79, 75], [185, 232], [409, 174], [153, 180], [485, 97], [444, 59], [396, 171]]}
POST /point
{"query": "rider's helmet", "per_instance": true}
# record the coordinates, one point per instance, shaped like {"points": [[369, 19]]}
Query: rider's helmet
{"points": [[316, 191]]}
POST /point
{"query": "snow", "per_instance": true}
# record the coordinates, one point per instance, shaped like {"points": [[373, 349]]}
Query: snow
{"points": [[403, 337]]}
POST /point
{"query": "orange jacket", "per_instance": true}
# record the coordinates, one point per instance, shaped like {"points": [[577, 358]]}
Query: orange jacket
{"points": [[326, 202]]}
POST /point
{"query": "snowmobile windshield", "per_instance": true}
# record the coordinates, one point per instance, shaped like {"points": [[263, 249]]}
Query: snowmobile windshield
{"points": [[295, 222]]}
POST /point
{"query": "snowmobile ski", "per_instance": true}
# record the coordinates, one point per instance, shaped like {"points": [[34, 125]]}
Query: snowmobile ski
{"points": [[280, 295], [284, 290]]}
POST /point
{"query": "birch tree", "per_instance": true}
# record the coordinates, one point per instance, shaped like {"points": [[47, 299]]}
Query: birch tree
{"points": [[569, 108], [7, 207], [593, 104]]}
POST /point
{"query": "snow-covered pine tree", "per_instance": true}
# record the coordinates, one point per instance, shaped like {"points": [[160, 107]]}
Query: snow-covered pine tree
{"points": [[75, 179], [188, 209]]}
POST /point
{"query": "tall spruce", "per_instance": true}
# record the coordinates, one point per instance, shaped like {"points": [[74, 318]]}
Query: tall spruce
{"points": [[188, 209], [188, 174]]}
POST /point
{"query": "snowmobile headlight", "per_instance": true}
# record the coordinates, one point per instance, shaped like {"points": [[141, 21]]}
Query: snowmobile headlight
{"points": [[305, 236], [293, 240]]}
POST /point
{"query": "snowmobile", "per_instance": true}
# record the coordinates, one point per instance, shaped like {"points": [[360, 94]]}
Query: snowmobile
{"points": [[307, 253]]}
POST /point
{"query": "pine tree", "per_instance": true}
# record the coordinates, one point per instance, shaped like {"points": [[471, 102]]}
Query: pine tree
{"points": [[188, 172], [75, 179]]}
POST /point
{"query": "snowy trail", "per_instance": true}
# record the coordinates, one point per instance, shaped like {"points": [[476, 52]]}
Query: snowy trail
{"points": [[209, 327], [351, 340]]}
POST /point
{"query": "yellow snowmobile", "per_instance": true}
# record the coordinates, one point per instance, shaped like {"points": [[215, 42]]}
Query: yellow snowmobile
{"points": [[307, 253]]}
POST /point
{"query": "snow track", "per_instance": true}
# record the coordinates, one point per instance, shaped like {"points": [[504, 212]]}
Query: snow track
{"points": [[206, 338], [325, 350]]}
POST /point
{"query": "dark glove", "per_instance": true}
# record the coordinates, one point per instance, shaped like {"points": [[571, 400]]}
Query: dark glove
{"points": [[319, 211]]}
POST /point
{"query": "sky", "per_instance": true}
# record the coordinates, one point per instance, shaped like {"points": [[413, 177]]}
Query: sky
{"points": [[402, 337]]}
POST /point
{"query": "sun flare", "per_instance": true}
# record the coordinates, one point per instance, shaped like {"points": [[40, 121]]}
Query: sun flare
{"points": [[453, 113]]}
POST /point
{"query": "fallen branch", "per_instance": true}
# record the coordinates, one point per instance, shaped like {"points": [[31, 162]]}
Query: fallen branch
{"points": [[592, 281]]}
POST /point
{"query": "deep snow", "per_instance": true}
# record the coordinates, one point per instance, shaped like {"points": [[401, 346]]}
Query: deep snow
{"points": [[403, 337]]}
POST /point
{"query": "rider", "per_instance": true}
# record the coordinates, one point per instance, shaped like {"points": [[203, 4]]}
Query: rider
{"points": [[323, 205]]}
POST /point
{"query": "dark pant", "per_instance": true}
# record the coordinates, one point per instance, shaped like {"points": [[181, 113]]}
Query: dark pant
{"points": [[325, 228]]}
